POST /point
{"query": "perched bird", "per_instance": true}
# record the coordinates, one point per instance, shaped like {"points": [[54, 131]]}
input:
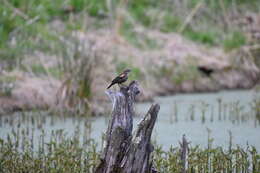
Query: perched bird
{"points": [[120, 78]]}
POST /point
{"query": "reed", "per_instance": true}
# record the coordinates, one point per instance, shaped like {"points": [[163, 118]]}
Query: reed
{"points": [[208, 160], [31, 147], [25, 150]]}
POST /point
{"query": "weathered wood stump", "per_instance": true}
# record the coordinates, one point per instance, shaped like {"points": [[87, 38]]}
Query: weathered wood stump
{"points": [[184, 149], [124, 152]]}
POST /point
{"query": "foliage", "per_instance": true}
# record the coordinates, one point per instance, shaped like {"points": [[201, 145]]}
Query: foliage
{"points": [[6, 85], [63, 154], [184, 73], [171, 23], [178, 73], [135, 74], [76, 66], [205, 37], [24, 24], [235, 40], [208, 160]]}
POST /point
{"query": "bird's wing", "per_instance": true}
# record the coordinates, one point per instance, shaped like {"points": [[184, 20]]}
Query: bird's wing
{"points": [[122, 75], [116, 79]]}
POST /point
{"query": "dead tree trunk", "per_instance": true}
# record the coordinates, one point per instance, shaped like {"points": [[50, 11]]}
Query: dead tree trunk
{"points": [[184, 149], [124, 152]]}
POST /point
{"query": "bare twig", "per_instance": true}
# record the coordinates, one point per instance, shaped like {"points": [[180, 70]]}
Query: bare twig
{"points": [[225, 14], [190, 16], [17, 11]]}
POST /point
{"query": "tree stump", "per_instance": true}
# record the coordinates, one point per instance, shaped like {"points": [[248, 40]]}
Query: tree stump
{"points": [[184, 149], [125, 152]]}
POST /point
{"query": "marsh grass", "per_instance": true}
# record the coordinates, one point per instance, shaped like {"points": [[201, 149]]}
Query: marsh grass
{"points": [[6, 85], [186, 72], [234, 40], [136, 73], [24, 151], [58, 155], [208, 160], [76, 64], [204, 21], [25, 26], [235, 112], [30, 147]]}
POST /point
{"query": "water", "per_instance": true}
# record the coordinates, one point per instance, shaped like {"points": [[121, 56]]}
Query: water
{"points": [[199, 116], [183, 114]]}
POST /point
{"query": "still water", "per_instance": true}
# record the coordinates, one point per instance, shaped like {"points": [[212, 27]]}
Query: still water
{"points": [[227, 116]]}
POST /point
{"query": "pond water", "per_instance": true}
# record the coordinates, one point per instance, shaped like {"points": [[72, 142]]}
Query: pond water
{"points": [[227, 116]]}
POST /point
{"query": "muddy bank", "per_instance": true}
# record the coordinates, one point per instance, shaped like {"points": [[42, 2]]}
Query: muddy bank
{"points": [[172, 65]]}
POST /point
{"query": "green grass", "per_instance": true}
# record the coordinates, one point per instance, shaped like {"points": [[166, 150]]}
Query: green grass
{"points": [[29, 147], [207, 160], [62, 154], [139, 10], [127, 30], [20, 37], [55, 72], [136, 73], [139, 40], [6, 85], [205, 37], [40, 70], [95, 8], [171, 23], [185, 73], [145, 12], [216, 5], [177, 74], [29, 28], [234, 40]]}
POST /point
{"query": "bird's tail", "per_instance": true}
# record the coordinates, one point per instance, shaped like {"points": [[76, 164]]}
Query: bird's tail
{"points": [[110, 85]]}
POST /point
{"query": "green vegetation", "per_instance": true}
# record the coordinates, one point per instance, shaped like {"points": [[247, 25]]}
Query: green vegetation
{"points": [[69, 156], [235, 40], [25, 24], [178, 73], [206, 37], [31, 147], [6, 85], [171, 23], [76, 65], [208, 160], [136, 73], [140, 40], [38, 69], [59, 153], [206, 25], [28, 27], [46, 26], [185, 73]]}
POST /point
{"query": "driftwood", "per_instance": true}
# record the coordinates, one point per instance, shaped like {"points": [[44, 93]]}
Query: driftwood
{"points": [[124, 152]]}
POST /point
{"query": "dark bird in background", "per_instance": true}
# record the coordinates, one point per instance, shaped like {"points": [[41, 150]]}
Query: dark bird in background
{"points": [[120, 78], [205, 70]]}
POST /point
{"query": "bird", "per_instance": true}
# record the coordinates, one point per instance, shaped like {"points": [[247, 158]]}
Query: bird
{"points": [[205, 70], [121, 78]]}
